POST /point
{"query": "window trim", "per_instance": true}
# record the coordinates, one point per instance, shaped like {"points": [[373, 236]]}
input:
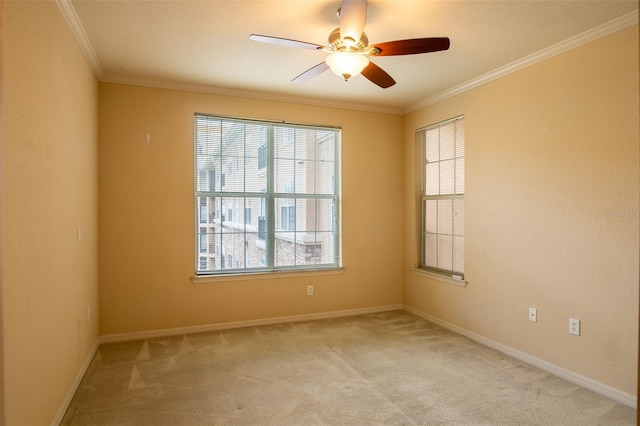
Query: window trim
{"points": [[428, 273], [270, 198], [451, 277], [246, 276]]}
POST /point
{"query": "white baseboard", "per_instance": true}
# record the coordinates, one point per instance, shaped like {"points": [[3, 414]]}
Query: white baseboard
{"points": [[122, 337], [198, 329], [74, 387], [605, 390]]}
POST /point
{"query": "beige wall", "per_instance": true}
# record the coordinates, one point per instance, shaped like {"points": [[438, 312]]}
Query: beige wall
{"points": [[551, 153], [49, 173], [147, 215], [551, 150]]}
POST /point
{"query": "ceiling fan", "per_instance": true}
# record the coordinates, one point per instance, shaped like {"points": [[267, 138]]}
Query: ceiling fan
{"points": [[349, 47]]}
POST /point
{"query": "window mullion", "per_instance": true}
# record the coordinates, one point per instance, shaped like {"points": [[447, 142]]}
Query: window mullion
{"points": [[337, 199], [270, 202], [453, 201]]}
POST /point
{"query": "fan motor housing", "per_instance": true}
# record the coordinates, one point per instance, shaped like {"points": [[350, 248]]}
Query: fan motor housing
{"points": [[339, 45]]}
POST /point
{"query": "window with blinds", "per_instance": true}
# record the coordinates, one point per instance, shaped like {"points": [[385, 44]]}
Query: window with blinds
{"points": [[266, 196], [443, 197]]}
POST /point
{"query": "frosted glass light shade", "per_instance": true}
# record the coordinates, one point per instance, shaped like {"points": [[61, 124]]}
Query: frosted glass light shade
{"points": [[347, 64]]}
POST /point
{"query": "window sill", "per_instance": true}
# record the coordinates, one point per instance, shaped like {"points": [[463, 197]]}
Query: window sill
{"points": [[439, 277], [202, 279]]}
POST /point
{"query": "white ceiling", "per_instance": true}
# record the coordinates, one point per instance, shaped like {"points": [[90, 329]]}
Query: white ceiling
{"points": [[204, 44]]}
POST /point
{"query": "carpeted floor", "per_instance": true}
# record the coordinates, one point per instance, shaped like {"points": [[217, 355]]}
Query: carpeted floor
{"points": [[390, 368]]}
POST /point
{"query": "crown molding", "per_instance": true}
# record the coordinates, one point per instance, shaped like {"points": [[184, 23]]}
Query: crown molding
{"points": [[73, 21], [71, 17], [601, 31]]}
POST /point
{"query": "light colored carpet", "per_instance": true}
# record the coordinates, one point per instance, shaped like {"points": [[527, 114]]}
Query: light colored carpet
{"points": [[390, 368]]}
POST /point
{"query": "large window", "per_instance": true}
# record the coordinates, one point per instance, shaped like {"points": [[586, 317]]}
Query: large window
{"points": [[285, 175], [443, 197]]}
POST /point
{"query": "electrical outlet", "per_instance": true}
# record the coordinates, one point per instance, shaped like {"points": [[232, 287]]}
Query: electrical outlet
{"points": [[574, 326], [309, 290], [533, 314]]}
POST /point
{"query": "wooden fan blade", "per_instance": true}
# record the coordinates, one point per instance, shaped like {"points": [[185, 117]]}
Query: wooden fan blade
{"points": [[284, 42], [353, 15], [378, 76], [311, 72], [412, 46]]}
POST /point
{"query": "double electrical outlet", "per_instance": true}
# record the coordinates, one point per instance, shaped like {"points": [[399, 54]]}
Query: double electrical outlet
{"points": [[574, 324]]}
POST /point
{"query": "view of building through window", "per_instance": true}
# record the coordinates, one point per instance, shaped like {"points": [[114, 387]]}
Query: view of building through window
{"points": [[266, 196]]}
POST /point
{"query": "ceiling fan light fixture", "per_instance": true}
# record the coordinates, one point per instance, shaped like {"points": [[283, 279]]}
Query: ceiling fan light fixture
{"points": [[347, 64], [348, 47]]}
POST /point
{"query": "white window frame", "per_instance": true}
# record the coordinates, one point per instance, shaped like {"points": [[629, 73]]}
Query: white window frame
{"points": [[269, 195], [428, 264]]}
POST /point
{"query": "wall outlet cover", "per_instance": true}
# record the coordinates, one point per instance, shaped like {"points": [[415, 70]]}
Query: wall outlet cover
{"points": [[574, 326]]}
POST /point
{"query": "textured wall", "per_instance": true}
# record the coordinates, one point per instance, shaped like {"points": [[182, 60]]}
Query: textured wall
{"points": [[147, 215], [50, 184], [551, 210]]}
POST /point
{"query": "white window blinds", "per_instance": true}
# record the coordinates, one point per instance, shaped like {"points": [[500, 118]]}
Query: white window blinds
{"points": [[266, 195], [443, 197]]}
